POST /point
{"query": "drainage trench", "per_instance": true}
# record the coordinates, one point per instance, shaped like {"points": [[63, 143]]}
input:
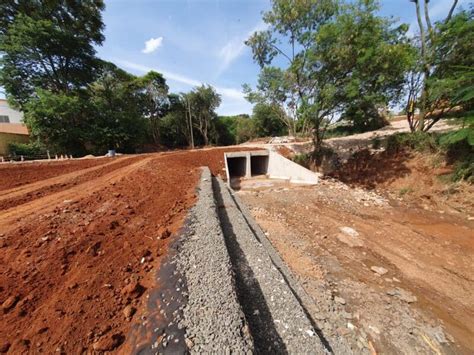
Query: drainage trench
{"points": [[278, 321]]}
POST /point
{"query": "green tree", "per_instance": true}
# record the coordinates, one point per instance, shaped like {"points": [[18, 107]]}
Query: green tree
{"points": [[370, 56], [201, 104], [267, 120], [60, 120], [119, 123], [332, 53], [48, 45], [441, 47], [48, 58], [156, 103]]}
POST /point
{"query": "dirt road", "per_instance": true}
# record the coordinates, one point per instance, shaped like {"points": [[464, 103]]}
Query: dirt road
{"points": [[79, 241], [386, 276]]}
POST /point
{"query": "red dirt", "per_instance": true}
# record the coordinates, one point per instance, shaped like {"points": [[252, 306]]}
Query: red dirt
{"points": [[76, 258], [18, 174], [286, 152]]}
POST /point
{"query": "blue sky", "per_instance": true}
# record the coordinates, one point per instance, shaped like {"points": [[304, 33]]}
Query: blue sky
{"points": [[201, 41]]}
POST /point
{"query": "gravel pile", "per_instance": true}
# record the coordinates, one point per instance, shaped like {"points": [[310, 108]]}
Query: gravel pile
{"points": [[212, 317], [268, 295]]}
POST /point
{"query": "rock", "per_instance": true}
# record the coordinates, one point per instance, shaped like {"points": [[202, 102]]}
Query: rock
{"points": [[379, 270], [340, 300], [189, 343], [133, 290], [350, 241], [4, 347], [109, 343], [9, 303], [129, 311], [402, 294], [349, 231]]}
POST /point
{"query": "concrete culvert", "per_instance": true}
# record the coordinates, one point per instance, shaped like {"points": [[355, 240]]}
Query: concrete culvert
{"points": [[259, 165], [237, 166]]}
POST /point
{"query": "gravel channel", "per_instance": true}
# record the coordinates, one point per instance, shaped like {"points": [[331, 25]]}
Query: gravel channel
{"points": [[267, 293], [212, 317]]}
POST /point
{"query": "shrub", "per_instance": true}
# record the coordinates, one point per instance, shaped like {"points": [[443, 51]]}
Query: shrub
{"points": [[27, 149]]}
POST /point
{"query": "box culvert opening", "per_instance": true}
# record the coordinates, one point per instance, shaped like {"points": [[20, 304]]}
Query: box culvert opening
{"points": [[259, 165], [237, 166]]}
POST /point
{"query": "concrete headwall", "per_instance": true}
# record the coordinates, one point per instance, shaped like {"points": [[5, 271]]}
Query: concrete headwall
{"points": [[281, 168]]}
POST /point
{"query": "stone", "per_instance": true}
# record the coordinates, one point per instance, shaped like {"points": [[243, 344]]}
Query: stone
{"points": [[350, 240], [340, 300], [129, 311], [189, 343], [9, 303], [133, 290], [379, 270], [108, 343], [349, 231], [402, 294]]}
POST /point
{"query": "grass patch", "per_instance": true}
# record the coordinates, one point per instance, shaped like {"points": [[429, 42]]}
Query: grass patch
{"points": [[404, 191]]}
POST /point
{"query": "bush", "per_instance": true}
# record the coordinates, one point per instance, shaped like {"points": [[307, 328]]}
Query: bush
{"points": [[27, 149], [419, 141]]}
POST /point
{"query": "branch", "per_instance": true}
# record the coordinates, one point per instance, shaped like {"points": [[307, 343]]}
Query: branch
{"points": [[450, 14], [428, 22], [281, 52]]}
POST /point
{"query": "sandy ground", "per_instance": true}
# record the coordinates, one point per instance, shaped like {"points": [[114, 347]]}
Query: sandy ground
{"points": [[388, 276], [80, 242]]}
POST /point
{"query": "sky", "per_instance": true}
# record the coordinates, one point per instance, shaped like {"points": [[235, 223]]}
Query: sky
{"points": [[202, 41]]}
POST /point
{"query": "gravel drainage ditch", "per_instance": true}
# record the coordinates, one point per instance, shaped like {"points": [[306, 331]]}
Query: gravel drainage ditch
{"points": [[237, 294]]}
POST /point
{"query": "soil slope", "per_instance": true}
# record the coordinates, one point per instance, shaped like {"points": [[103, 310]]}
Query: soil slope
{"points": [[80, 243]]}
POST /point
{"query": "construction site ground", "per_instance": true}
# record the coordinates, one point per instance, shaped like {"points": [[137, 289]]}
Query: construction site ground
{"points": [[81, 242]]}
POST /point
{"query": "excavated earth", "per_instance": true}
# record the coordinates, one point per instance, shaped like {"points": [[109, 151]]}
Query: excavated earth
{"points": [[154, 254], [81, 242]]}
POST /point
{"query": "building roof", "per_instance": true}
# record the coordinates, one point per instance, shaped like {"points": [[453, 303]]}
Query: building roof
{"points": [[14, 128]]}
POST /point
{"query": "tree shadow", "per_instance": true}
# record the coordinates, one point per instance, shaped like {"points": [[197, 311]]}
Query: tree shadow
{"points": [[250, 295], [369, 170]]}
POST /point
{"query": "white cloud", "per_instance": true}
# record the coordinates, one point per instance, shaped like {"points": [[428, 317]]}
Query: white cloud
{"points": [[233, 99], [152, 45], [235, 47]]}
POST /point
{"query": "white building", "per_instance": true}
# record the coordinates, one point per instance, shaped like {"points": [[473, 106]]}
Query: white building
{"points": [[9, 115]]}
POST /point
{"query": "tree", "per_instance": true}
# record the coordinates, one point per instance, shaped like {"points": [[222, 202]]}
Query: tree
{"points": [[156, 102], [439, 43], [267, 120], [370, 56], [201, 104], [48, 59], [60, 120], [48, 45], [338, 57], [175, 127], [117, 98], [300, 90]]}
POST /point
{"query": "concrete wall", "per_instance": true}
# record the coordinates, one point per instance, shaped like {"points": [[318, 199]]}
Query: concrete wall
{"points": [[281, 168], [269, 163], [13, 115]]}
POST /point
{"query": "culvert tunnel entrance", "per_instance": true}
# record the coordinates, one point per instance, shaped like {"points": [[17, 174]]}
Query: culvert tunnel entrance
{"points": [[264, 164]]}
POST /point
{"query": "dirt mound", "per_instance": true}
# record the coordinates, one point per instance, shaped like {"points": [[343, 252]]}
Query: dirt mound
{"points": [[421, 178], [77, 262]]}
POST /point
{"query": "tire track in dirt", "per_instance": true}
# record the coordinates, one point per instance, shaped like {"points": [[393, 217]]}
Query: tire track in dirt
{"points": [[19, 174], [77, 272], [26, 193], [42, 205]]}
